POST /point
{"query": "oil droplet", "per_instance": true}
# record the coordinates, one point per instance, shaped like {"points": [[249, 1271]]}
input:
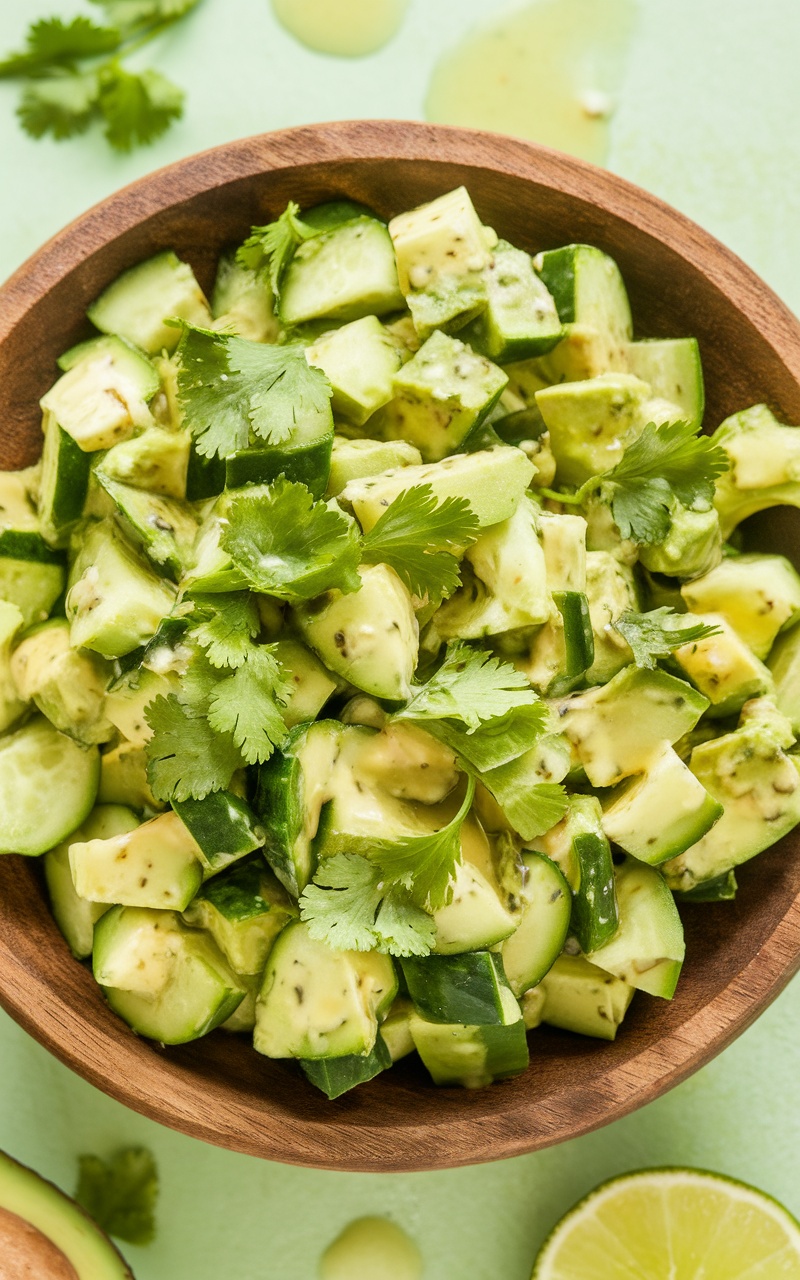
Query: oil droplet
{"points": [[548, 72], [371, 1249], [348, 28]]}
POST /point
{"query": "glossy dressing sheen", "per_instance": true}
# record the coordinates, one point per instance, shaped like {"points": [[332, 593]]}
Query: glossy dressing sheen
{"points": [[349, 28], [550, 72], [371, 1249]]}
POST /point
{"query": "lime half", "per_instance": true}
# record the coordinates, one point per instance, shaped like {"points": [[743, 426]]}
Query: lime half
{"points": [[673, 1224]]}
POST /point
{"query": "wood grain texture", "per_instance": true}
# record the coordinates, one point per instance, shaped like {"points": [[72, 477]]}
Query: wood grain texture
{"points": [[740, 954]]}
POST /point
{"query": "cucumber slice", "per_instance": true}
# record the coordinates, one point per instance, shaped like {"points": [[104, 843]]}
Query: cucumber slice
{"points": [[244, 910], [335, 1076], [674, 370], [137, 304], [242, 301], [13, 699], [343, 274], [164, 528], [316, 1002], [157, 460], [36, 762], [309, 464], [648, 948], [520, 319], [76, 916], [546, 905], [205, 477], [223, 827], [595, 915], [470, 989], [592, 422], [156, 865], [68, 685], [471, 1056], [63, 485], [580, 997], [168, 982], [659, 813]]}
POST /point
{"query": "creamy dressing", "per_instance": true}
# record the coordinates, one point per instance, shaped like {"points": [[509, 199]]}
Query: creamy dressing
{"points": [[550, 72], [371, 1249], [345, 28]]}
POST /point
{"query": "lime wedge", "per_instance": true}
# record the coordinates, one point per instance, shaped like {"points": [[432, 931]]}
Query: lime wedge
{"points": [[673, 1224]]}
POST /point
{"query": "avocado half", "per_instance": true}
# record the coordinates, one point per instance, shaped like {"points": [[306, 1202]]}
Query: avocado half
{"points": [[46, 1236]]}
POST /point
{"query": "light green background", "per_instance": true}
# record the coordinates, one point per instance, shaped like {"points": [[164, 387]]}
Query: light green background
{"points": [[708, 119]]}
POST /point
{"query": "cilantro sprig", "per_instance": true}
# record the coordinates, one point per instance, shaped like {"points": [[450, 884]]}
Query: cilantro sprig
{"points": [[664, 463], [72, 82], [656, 634], [230, 388], [270, 249], [471, 686], [351, 908], [428, 567], [120, 1193]]}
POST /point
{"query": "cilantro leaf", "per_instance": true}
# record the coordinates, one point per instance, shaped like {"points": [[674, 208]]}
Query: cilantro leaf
{"points": [[53, 43], [120, 1193], [655, 634], [420, 538], [531, 810], [63, 105], [472, 686], [228, 386], [185, 756], [665, 462], [230, 623], [137, 108], [131, 13], [287, 545], [349, 907], [425, 865], [247, 704], [271, 248]]}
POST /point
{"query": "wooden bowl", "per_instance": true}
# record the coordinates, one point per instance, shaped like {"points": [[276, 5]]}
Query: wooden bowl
{"points": [[740, 954]]}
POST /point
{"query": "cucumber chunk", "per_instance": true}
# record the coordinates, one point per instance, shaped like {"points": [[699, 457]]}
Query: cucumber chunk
{"points": [[471, 988], [68, 685], [342, 274], [64, 483], [673, 368], [168, 982], [545, 904], [139, 302], [661, 812], [580, 997], [37, 761], [164, 528], [31, 572], [595, 911], [102, 399], [471, 1056], [592, 302], [335, 1076], [242, 302], [520, 318], [76, 916], [244, 910], [13, 698], [647, 950], [784, 663], [222, 826], [360, 361]]}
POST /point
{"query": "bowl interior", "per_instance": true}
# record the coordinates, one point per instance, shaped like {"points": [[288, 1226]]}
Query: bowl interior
{"points": [[739, 954]]}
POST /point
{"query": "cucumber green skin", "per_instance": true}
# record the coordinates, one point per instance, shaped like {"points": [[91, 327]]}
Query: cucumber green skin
{"points": [[674, 370], [580, 997], [223, 825], [459, 988], [648, 948], [279, 804], [468, 1056], [24, 544], [205, 477], [308, 464], [46, 764], [335, 1076], [719, 889], [64, 484], [539, 939], [784, 663], [147, 1017], [595, 916], [578, 635], [135, 360]]}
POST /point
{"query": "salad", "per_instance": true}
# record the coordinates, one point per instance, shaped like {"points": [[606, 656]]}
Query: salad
{"points": [[381, 663]]}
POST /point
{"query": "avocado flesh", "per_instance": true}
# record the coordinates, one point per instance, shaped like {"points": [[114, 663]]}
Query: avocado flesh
{"points": [[44, 1231]]}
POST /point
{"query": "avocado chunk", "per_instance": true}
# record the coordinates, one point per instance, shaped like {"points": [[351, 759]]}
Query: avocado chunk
{"points": [[692, 547], [77, 916], [359, 360], [520, 318], [764, 457], [591, 422], [244, 909], [67, 685], [44, 1234], [722, 667], [659, 813], [155, 865], [648, 948], [610, 591], [759, 595], [580, 997]]}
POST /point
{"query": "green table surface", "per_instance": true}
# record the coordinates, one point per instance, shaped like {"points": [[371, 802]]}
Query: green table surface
{"points": [[707, 119]]}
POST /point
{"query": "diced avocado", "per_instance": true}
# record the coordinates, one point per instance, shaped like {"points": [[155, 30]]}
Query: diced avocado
{"points": [[659, 813], [545, 907], [123, 778], [63, 485], [674, 370], [242, 302], [37, 763], [48, 1235], [471, 1056], [396, 1030], [359, 360], [293, 785], [115, 601], [168, 982], [442, 394], [223, 827], [355, 459], [757, 783], [784, 663], [491, 480], [157, 460], [369, 636], [76, 916], [591, 422], [311, 684], [68, 685], [156, 865], [764, 458], [563, 539], [615, 727], [137, 304], [722, 666], [14, 698], [342, 274], [509, 561], [442, 252], [103, 397], [648, 948], [164, 528], [408, 763], [478, 914], [243, 1018], [580, 997], [512, 784], [520, 318], [244, 909], [319, 1003], [592, 303], [127, 699], [693, 545], [759, 595]]}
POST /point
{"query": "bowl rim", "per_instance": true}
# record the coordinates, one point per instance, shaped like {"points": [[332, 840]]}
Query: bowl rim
{"points": [[660, 1065]]}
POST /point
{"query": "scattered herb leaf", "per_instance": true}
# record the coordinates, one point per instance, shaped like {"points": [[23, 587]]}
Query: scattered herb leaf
{"points": [[120, 1193], [420, 538], [349, 907], [656, 634]]}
